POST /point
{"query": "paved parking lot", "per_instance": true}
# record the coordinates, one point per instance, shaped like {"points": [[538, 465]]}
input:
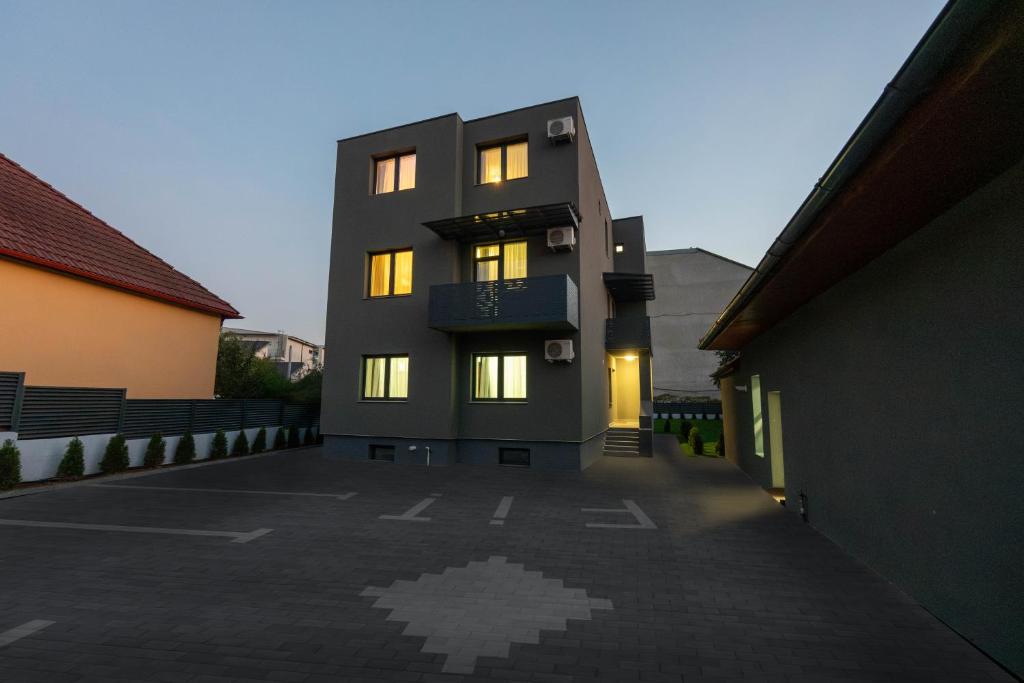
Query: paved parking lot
{"points": [[296, 567]]}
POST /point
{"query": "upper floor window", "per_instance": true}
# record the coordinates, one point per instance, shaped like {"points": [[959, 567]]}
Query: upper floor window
{"points": [[385, 378], [506, 161], [505, 261], [395, 173], [619, 247], [390, 273], [499, 377]]}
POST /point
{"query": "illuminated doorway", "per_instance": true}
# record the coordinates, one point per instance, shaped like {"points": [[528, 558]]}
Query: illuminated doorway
{"points": [[625, 391]]}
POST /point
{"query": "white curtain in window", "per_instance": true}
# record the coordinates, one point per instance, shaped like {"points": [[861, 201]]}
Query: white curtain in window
{"points": [[398, 384], [373, 378], [515, 377], [380, 274], [485, 377], [407, 172], [486, 258], [385, 176], [403, 272], [490, 165], [516, 161], [515, 260]]}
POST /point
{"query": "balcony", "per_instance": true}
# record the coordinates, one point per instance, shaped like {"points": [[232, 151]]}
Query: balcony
{"points": [[627, 334], [548, 302]]}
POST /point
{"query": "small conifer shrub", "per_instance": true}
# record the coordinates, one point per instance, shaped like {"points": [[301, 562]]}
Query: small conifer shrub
{"points": [[10, 465], [293, 437], [280, 439], [241, 445], [72, 465], [115, 458], [259, 444], [309, 439], [156, 451], [185, 452], [219, 446]]}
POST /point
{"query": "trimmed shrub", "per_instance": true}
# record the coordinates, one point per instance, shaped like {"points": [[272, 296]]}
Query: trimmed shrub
{"points": [[668, 425], [72, 465], [156, 451], [259, 444], [280, 439], [219, 446], [684, 429], [241, 445], [186, 449], [720, 446], [10, 465], [115, 458], [696, 442], [309, 439], [293, 437]]}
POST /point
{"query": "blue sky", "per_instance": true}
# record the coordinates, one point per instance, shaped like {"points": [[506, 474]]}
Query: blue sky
{"points": [[206, 130]]}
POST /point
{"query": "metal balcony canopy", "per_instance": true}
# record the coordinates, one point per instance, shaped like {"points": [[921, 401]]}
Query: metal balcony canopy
{"points": [[533, 220], [630, 286]]}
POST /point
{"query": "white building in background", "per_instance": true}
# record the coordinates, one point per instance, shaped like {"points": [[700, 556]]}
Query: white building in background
{"points": [[694, 286], [293, 356]]}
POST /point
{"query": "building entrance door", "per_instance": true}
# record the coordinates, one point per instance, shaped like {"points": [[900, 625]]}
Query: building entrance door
{"points": [[626, 392], [775, 439]]}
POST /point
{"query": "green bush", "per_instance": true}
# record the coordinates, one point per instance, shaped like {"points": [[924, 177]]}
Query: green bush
{"points": [[241, 445], [115, 458], [185, 452], [668, 425], [293, 437], [156, 450], [259, 444], [10, 465], [72, 465], [684, 429], [720, 446], [219, 446], [696, 442], [309, 439], [280, 439]]}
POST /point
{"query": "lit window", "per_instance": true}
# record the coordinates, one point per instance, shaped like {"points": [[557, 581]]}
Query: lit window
{"points": [[386, 378], [503, 162], [499, 377], [755, 398], [505, 261], [619, 247], [395, 173], [391, 273]]}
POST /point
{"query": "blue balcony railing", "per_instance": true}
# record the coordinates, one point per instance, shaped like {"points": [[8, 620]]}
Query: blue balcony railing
{"points": [[548, 302]]}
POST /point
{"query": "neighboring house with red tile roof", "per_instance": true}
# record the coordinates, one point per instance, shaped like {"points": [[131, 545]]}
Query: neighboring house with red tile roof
{"points": [[84, 305]]}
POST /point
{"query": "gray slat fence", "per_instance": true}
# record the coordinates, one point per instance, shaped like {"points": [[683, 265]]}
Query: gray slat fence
{"points": [[65, 411], [11, 387], [687, 407]]}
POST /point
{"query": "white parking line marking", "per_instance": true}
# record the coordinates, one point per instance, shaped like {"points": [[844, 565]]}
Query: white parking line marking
{"points": [[235, 536], [502, 512], [410, 515], [339, 496], [644, 522], [26, 629]]}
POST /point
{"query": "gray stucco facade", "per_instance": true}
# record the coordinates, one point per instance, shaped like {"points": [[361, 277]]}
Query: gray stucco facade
{"points": [[901, 392], [694, 286], [566, 412]]}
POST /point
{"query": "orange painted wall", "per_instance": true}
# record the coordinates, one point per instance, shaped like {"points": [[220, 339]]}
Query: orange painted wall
{"points": [[63, 331]]}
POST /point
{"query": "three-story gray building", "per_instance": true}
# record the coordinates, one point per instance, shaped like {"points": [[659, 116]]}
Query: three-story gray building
{"points": [[483, 303]]}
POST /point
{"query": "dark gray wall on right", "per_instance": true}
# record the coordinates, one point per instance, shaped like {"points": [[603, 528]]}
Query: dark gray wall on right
{"points": [[902, 389]]}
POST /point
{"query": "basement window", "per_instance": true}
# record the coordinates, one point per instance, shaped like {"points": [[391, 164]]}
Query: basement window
{"points": [[514, 457], [382, 453]]}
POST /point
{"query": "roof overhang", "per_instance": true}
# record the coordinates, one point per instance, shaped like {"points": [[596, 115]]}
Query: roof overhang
{"points": [[949, 122], [630, 286], [522, 222]]}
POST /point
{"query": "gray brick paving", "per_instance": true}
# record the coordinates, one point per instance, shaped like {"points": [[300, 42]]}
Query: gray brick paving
{"points": [[727, 587]]}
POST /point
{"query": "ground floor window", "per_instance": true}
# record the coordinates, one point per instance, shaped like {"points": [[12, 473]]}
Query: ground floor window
{"points": [[385, 378], [385, 453], [499, 377], [516, 457], [755, 400]]}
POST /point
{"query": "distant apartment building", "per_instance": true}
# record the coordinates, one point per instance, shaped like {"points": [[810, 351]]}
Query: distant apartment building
{"points": [[85, 306], [694, 285], [482, 301], [292, 356]]}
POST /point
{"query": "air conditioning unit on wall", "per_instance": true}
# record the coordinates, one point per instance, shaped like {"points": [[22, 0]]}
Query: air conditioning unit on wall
{"points": [[558, 351], [561, 130], [561, 239]]}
